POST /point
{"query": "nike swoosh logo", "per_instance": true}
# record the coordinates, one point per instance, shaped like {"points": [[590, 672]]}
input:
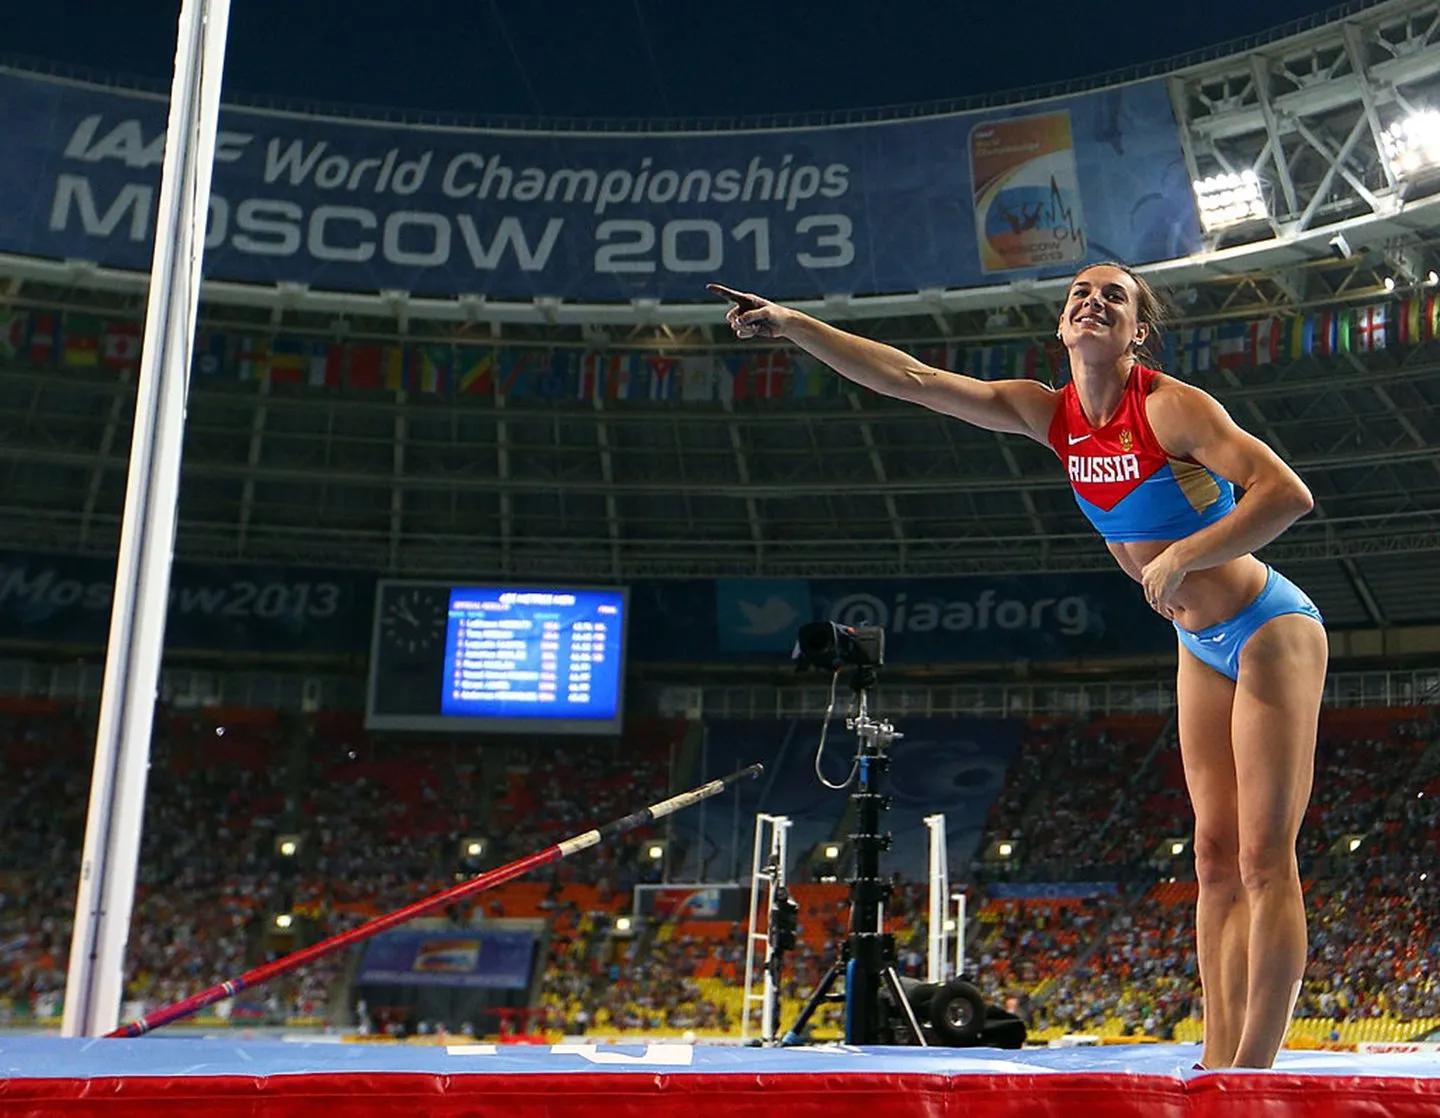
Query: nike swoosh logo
{"points": [[1073, 440]]}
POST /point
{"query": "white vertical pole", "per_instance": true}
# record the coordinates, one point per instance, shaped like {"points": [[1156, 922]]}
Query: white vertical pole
{"points": [[779, 856], [95, 981], [959, 899], [761, 820], [939, 890]]}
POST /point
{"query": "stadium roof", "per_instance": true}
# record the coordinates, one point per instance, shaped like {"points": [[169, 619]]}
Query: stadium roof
{"points": [[643, 60], [846, 484]]}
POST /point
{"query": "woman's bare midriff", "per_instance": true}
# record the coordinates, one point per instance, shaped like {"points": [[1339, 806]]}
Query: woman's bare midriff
{"points": [[1205, 597]]}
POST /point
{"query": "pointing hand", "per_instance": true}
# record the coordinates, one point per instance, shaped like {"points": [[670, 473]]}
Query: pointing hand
{"points": [[752, 316]]}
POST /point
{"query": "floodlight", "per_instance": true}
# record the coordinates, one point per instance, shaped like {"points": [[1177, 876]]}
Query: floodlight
{"points": [[624, 925], [1005, 849], [832, 850], [1412, 144], [1230, 199], [283, 920], [655, 851]]}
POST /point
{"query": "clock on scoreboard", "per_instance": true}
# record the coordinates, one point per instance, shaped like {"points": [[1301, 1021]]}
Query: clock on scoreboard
{"points": [[500, 657]]}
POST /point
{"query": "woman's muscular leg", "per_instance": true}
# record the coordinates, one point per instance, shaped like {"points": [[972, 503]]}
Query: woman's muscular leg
{"points": [[1277, 708], [1222, 922]]}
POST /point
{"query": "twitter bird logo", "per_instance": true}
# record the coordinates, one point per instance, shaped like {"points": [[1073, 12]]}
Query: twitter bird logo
{"points": [[760, 614], [773, 615]]}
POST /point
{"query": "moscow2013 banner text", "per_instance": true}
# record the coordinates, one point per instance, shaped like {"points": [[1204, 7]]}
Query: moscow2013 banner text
{"points": [[965, 199]]}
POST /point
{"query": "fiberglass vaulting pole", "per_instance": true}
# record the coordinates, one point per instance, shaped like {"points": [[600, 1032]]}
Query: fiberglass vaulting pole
{"points": [[95, 981]]}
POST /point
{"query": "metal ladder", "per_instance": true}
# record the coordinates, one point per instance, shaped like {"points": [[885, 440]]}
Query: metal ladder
{"points": [[772, 874]]}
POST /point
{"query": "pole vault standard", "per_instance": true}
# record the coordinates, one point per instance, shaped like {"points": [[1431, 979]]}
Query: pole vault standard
{"points": [[479, 883], [106, 897]]}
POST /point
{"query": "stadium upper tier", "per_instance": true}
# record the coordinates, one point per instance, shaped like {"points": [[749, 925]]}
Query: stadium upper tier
{"points": [[1285, 172], [554, 394]]}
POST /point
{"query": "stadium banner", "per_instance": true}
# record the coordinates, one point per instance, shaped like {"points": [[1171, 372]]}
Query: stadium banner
{"points": [[488, 960], [926, 620], [679, 903], [1050, 890], [62, 599], [280, 610], [1017, 192]]}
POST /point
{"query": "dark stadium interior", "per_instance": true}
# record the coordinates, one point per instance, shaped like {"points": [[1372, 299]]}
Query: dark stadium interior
{"points": [[368, 416]]}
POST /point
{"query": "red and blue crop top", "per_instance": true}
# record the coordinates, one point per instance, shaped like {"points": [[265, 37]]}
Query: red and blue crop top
{"points": [[1124, 481]]}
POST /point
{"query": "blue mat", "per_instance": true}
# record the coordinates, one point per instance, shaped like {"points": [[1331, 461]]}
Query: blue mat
{"points": [[30, 1057]]}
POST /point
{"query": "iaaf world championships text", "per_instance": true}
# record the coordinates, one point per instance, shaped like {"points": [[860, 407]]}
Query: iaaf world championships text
{"points": [[473, 175]]}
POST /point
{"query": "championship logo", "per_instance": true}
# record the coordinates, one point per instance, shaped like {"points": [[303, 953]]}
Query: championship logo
{"points": [[1127, 440]]}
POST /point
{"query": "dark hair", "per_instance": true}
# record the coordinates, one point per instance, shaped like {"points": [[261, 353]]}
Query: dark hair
{"points": [[1149, 309]]}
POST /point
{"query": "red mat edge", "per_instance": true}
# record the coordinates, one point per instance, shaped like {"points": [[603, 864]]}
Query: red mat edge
{"points": [[726, 1095]]}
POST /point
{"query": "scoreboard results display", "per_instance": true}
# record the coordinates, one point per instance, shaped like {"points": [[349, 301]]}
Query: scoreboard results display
{"points": [[511, 658]]}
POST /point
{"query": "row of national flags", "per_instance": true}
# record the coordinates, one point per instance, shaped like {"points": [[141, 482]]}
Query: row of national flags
{"points": [[78, 341], [1231, 345]]}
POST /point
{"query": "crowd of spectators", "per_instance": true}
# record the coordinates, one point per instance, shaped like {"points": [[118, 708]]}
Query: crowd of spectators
{"points": [[381, 830], [1085, 784], [643, 985]]}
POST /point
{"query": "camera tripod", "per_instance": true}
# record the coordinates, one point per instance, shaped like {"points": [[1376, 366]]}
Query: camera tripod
{"points": [[867, 957]]}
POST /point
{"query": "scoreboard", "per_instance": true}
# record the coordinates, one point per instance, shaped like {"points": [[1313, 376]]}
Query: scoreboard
{"points": [[498, 657]]}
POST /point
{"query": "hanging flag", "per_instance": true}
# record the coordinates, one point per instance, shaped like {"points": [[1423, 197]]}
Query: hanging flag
{"points": [[663, 375], [764, 376], [517, 371], [697, 378], [1170, 350], [730, 377], [1343, 322], [82, 341], [1033, 365], [120, 345], [620, 374], [323, 368], [209, 357], [365, 367], [1195, 349], [477, 371], [40, 346], [252, 357], [436, 365], [1007, 361], [970, 361], [1229, 345], [551, 373], [1370, 328], [1262, 341], [14, 332], [393, 368], [593, 368], [1430, 320], [1406, 323], [936, 356], [1295, 338], [810, 379], [289, 361]]}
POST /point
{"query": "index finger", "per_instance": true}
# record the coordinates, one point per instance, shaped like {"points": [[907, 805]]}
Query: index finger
{"points": [[739, 298]]}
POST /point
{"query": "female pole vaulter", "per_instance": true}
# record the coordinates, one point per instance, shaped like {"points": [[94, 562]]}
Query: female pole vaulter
{"points": [[1154, 464]]}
